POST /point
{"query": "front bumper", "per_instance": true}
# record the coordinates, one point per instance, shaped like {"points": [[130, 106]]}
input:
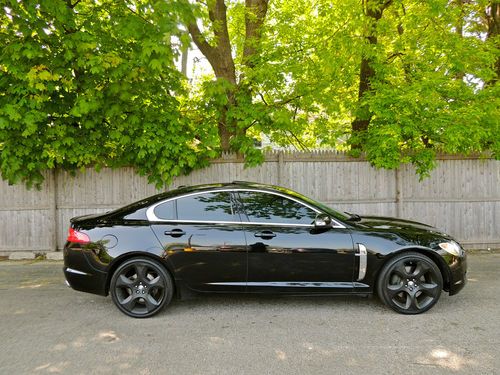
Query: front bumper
{"points": [[458, 274]]}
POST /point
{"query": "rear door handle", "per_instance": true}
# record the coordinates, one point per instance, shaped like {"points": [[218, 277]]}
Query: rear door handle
{"points": [[265, 234], [175, 232]]}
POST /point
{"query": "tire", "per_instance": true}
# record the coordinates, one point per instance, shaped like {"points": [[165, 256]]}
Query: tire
{"points": [[141, 287], [410, 283]]}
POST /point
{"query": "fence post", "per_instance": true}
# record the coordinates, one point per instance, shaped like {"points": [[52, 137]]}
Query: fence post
{"points": [[280, 167], [53, 210], [399, 192]]}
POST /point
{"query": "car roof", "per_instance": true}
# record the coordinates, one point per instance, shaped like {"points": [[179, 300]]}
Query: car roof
{"points": [[183, 190]]}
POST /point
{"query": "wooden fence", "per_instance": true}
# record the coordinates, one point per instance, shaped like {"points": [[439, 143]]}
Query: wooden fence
{"points": [[462, 196]]}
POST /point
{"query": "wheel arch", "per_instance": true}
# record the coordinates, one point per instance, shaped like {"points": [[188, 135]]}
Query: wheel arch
{"points": [[435, 257], [137, 254]]}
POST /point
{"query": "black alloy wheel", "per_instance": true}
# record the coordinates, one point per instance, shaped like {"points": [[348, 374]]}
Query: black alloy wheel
{"points": [[141, 287], [411, 283]]}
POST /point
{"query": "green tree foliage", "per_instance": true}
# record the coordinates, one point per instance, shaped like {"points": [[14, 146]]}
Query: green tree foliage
{"points": [[401, 80], [94, 83], [430, 91], [397, 80]]}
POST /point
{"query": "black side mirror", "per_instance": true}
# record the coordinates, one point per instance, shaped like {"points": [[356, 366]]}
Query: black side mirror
{"points": [[322, 221]]}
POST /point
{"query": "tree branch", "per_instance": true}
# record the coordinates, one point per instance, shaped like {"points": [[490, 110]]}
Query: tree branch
{"points": [[283, 102], [218, 55], [200, 41], [300, 143], [70, 5], [262, 97]]}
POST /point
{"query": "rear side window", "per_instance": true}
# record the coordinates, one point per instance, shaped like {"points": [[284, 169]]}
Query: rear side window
{"points": [[165, 211], [217, 206], [274, 209]]}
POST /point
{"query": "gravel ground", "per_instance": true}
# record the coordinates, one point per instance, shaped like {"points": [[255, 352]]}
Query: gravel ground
{"points": [[46, 327]]}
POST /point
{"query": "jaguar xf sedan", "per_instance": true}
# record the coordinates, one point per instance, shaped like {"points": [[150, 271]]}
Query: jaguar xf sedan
{"points": [[245, 237]]}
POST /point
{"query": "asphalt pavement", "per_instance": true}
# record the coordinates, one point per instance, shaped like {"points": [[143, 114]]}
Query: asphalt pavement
{"points": [[46, 327]]}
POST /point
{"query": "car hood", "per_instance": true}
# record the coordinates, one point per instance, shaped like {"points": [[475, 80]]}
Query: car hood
{"points": [[379, 222], [411, 230]]}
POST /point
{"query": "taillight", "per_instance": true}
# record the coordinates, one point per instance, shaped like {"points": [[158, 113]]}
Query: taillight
{"points": [[78, 237]]}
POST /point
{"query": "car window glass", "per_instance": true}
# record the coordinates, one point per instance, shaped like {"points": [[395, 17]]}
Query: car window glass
{"points": [[206, 207], [165, 211], [269, 208]]}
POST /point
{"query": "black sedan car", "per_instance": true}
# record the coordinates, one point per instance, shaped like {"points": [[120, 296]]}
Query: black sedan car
{"points": [[245, 237]]}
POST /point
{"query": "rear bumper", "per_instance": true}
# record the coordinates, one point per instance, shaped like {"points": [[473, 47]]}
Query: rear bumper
{"points": [[80, 275]]}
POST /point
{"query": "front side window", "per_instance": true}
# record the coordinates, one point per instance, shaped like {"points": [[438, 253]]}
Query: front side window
{"points": [[269, 208], [217, 206]]}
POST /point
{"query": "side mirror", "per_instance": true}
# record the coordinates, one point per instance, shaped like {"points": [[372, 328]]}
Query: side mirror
{"points": [[322, 221]]}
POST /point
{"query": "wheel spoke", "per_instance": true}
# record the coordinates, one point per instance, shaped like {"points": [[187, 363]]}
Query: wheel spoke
{"points": [[150, 302], [124, 281], [393, 290], [412, 302], [400, 270], [420, 270], [430, 289], [141, 272], [157, 282], [129, 302]]}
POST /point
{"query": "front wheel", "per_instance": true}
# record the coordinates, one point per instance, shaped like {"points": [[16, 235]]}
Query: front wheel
{"points": [[141, 287], [411, 283]]}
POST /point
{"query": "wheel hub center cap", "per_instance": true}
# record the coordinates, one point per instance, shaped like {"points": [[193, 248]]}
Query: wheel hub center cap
{"points": [[140, 289], [411, 284]]}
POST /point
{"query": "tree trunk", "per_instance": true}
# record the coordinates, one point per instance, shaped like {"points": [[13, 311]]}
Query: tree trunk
{"points": [[374, 10], [459, 28], [366, 73], [255, 14], [493, 19], [220, 57], [224, 133]]}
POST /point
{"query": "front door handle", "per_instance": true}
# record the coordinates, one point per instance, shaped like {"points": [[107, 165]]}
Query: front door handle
{"points": [[265, 234], [175, 232]]}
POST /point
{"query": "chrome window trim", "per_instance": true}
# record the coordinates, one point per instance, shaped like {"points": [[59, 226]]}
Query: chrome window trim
{"points": [[232, 222], [152, 217]]}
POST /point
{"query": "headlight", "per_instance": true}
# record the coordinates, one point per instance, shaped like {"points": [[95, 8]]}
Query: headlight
{"points": [[451, 247]]}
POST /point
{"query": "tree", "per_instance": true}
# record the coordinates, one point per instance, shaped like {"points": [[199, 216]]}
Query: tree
{"points": [[405, 79], [430, 95], [95, 84], [235, 87], [92, 84]]}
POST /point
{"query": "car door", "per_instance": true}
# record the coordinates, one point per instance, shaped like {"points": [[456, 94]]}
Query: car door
{"points": [[202, 237], [286, 253]]}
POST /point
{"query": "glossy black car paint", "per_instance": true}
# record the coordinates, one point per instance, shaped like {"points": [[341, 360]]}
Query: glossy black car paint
{"points": [[244, 256]]}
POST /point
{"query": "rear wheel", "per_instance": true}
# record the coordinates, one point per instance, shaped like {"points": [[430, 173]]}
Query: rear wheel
{"points": [[141, 287], [411, 283]]}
